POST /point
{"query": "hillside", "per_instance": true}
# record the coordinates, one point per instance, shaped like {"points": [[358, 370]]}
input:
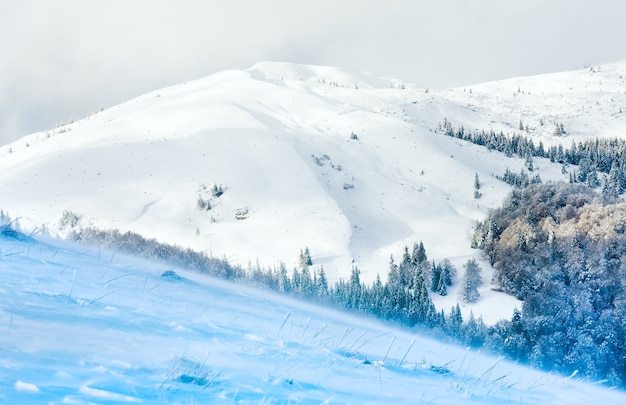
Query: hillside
{"points": [[353, 166], [87, 326]]}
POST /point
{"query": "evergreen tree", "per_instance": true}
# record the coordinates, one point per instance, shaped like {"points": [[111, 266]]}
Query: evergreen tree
{"points": [[541, 152], [435, 277], [306, 283], [217, 191], [355, 277], [322, 283], [477, 193], [592, 178], [419, 254], [448, 272], [406, 268], [455, 321], [284, 284], [295, 280], [474, 331], [442, 289], [305, 258], [615, 181], [419, 308], [471, 281], [394, 278], [355, 289], [529, 162], [377, 298]]}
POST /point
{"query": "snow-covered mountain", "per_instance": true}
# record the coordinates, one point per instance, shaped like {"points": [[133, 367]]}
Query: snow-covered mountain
{"points": [[353, 166], [84, 326]]}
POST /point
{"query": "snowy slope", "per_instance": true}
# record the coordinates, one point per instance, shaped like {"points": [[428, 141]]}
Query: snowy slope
{"points": [[82, 326], [277, 137]]}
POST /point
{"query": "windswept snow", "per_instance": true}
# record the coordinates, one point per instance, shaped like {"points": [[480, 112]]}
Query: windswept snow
{"points": [[351, 165], [82, 326]]}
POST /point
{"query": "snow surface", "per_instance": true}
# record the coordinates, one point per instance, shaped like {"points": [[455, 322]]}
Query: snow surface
{"points": [[277, 137], [85, 326]]}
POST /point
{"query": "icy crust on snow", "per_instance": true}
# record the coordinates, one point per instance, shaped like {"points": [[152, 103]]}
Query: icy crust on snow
{"points": [[84, 326], [353, 166]]}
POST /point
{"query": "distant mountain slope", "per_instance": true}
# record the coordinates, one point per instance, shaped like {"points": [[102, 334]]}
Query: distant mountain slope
{"points": [[84, 326], [351, 165]]}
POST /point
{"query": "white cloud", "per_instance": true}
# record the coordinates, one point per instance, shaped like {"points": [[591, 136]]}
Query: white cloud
{"points": [[66, 58]]}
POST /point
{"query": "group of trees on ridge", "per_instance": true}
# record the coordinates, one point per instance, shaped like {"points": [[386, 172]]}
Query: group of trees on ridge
{"points": [[561, 248], [588, 158], [403, 298]]}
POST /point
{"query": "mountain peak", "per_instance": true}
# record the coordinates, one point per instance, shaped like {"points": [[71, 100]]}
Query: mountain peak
{"points": [[273, 71]]}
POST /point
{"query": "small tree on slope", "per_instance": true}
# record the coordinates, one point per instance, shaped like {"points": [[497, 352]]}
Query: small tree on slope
{"points": [[470, 283]]}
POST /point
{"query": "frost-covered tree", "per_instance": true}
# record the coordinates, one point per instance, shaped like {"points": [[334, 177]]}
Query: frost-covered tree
{"points": [[528, 162], [419, 307], [455, 321], [448, 272], [202, 204], [394, 273], [472, 279], [435, 277], [306, 282], [284, 284], [419, 253], [477, 193], [322, 282], [217, 191], [295, 279], [304, 259]]}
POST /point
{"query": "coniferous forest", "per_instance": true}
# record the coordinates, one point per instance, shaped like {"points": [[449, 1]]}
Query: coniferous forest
{"points": [[587, 158], [559, 247]]}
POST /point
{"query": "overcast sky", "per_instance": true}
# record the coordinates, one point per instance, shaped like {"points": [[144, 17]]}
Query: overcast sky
{"points": [[63, 59]]}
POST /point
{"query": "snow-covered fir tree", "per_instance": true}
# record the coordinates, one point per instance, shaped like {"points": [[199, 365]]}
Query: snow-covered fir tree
{"points": [[472, 279]]}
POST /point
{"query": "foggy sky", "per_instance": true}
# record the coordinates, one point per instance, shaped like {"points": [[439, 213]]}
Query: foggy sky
{"points": [[63, 59]]}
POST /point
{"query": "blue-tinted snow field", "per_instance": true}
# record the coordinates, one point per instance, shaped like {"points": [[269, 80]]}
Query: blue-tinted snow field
{"points": [[83, 326]]}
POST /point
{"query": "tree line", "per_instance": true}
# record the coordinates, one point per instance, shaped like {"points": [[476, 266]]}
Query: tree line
{"points": [[592, 157]]}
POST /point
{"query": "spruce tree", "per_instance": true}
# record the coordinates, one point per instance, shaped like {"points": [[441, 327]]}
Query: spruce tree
{"points": [[419, 253], [295, 280], [306, 283], [435, 276], [470, 283], [284, 284], [394, 273], [477, 193], [406, 268], [419, 306], [442, 289], [455, 321], [448, 272], [304, 259], [322, 283]]}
